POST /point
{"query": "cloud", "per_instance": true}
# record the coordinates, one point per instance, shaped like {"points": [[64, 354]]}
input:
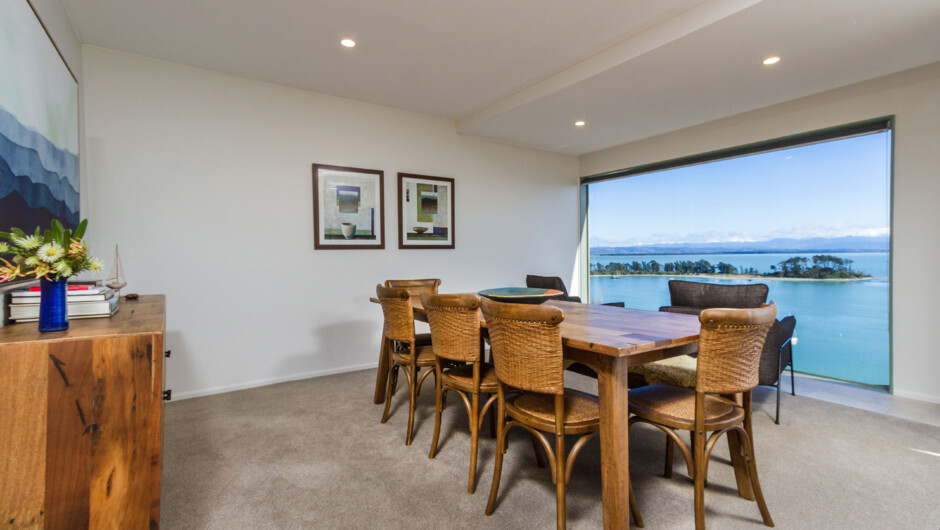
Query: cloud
{"points": [[717, 236]]}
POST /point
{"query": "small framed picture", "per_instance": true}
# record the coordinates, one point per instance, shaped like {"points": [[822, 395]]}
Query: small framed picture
{"points": [[348, 208], [425, 211]]}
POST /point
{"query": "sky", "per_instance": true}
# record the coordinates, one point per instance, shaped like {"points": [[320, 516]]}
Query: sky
{"points": [[830, 189]]}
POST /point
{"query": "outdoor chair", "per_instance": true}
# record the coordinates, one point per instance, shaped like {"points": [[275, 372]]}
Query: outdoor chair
{"points": [[550, 282], [692, 298], [554, 282]]}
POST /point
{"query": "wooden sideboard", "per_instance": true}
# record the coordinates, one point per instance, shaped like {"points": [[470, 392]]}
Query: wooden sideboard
{"points": [[81, 421]]}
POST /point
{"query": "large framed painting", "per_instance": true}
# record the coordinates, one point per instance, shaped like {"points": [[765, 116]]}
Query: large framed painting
{"points": [[348, 210], [425, 211], [38, 125]]}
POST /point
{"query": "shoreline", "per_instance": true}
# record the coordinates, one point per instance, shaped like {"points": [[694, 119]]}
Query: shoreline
{"points": [[740, 277]]}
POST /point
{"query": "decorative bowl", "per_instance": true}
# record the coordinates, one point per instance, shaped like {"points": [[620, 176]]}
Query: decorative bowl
{"points": [[420, 229], [521, 295]]}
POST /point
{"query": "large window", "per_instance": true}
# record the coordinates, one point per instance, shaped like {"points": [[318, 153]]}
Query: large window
{"points": [[810, 217]]}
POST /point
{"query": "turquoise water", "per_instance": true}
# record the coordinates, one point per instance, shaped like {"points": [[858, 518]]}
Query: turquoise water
{"points": [[842, 325]]}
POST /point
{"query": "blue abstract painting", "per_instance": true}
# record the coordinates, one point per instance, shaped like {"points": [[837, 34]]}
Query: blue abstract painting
{"points": [[38, 125]]}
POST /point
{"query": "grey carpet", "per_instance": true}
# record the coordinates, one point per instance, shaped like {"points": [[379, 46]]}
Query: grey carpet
{"points": [[312, 454]]}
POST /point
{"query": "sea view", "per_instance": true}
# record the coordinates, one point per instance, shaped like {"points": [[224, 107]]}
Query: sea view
{"points": [[842, 325]]}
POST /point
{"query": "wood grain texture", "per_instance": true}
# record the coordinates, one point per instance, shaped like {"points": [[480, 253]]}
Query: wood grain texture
{"points": [[69, 430], [613, 331], [22, 437], [120, 447], [614, 429], [81, 416]]}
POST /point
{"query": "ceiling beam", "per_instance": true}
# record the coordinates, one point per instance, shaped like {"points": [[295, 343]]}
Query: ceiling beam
{"points": [[689, 21]]}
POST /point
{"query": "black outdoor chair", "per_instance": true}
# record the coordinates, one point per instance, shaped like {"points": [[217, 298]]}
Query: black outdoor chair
{"points": [[554, 282], [692, 298]]}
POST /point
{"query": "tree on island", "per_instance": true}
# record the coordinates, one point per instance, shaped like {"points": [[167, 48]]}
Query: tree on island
{"points": [[823, 267]]}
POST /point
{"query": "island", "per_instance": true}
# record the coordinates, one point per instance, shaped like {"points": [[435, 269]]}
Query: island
{"points": [[819, 267]]}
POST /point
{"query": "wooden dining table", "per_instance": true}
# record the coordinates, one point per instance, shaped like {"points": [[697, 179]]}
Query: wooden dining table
{"points": [[610, 340]]}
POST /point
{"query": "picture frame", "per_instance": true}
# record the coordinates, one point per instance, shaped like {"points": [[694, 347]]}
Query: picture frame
{"points": [[425, 212], [348, 208]]}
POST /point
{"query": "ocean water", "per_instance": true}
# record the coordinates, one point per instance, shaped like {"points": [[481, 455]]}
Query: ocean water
{"points": [[842, 326]]}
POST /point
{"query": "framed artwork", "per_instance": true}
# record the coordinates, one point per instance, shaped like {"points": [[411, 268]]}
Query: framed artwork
{"points": [[425, 211], [348, 208], [38, 125]]}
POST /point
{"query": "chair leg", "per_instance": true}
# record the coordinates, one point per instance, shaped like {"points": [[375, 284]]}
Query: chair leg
{"points": [[700, 464], [777, 417], [670, 448], [755, 483], [438, 408], [474, 440], [412, 395], [492, 422], [394, 368], [635, 509], [538, 454], [500, 449], [792, 379], [392, 379], [560, 476]]}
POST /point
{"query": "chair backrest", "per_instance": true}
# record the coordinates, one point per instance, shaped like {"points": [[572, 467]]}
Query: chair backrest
{"points": [[729, 348], [455, 325], [399, 314], [546, 282], [776, 355], [526, 343], [416, 287], [704, 295]]}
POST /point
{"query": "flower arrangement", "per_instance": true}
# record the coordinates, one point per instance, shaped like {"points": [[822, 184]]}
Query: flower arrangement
{"points": [[57, 253]]}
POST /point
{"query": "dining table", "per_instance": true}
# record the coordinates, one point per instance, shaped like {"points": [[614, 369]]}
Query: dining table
{"points": [[610, 340]]}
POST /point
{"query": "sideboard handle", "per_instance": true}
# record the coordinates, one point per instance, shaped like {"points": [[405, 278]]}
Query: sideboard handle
{"points": [[167, 395], [167, 353]]}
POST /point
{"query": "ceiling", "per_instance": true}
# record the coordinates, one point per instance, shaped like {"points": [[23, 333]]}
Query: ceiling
{"points": [[523, 71]]}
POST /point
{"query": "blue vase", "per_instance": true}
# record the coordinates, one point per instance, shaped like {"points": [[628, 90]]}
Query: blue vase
{"points": [[53, 308]]}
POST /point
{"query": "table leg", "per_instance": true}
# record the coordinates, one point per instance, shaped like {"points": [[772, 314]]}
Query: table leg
{"points": [[615, 455], [381, 375]]}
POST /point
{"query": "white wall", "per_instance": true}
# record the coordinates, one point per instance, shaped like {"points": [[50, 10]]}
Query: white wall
{"points": [[56, 20], [914, 98], [204, 180]]}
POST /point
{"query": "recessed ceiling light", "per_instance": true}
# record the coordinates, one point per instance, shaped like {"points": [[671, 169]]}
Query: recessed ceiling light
{"points": [[349, 43], [771, 60], [579, 123]]}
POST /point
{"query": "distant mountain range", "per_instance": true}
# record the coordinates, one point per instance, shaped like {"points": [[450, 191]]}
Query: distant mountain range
{"points": [[773, 246]]}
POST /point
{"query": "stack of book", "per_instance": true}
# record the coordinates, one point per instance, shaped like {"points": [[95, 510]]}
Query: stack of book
{"points": [[84, 301]]}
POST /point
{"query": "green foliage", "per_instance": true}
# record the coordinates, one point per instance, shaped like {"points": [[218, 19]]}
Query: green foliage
{"points": [[824, 267], [57, 252]]}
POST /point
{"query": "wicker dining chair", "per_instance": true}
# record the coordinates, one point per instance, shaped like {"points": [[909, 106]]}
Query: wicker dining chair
{"points": [[404, 349], [527, 353], [416, 288], [455, 332], [729, 352]]}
